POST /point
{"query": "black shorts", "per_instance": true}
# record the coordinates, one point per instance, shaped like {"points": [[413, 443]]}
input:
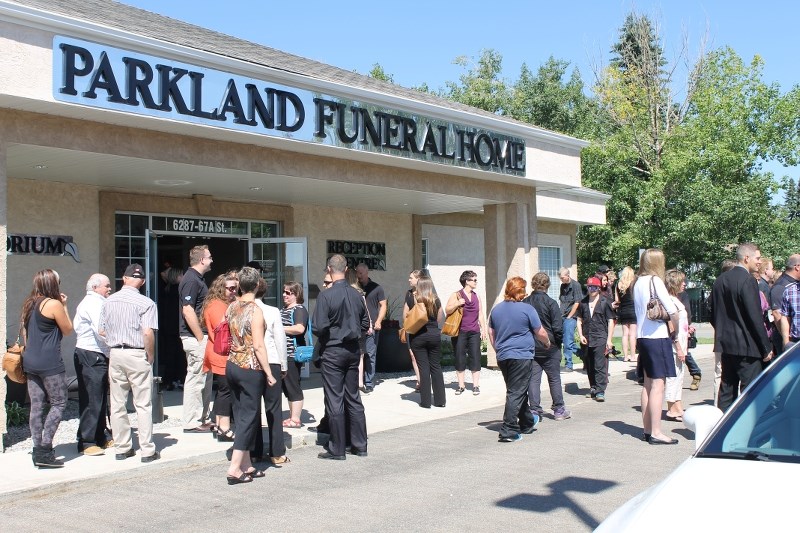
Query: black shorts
{"points": [[291, 383]]}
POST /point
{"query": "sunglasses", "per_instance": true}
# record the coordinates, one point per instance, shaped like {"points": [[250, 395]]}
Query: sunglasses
{"points": [[232, 289], [473, 279], [287, 293], [593, 288], [326, 283]]}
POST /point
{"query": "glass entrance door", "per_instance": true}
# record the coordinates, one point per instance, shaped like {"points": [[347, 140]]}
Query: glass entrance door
{"points": [[282, 260], [151, 284]]}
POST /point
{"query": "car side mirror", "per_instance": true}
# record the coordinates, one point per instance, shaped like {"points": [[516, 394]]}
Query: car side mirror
{"points": [[701, 419]]}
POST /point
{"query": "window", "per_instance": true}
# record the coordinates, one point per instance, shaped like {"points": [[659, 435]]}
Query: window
{"points": [[129, 245], [550, 262], [424, 253]]}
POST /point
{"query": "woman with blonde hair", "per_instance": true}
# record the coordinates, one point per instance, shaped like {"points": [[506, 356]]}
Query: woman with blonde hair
{"points": [[43, 323], [221, 294], [675, 281], [426, 344], [655, 343], [626, 312]]}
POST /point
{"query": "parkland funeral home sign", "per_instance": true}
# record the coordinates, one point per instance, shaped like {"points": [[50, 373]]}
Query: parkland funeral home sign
{"points": [[101, 76]]}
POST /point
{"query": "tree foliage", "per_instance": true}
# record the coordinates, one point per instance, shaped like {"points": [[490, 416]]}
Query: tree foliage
{"points": [[686, 175]]}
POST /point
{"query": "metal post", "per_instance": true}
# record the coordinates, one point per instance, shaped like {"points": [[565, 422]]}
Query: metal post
{"points": [[158, 401]]}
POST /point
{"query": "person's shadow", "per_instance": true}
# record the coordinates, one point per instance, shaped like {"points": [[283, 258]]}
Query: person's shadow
{"points": [[559, 497]]}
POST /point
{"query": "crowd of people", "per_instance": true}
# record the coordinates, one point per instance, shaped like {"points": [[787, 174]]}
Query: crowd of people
{"points": [[246, 348]]}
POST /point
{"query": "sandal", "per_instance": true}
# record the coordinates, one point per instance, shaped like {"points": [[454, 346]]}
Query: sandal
{"points": [[280, 460], [289, 423], [255, 473], [227, 436], [244, 478]]}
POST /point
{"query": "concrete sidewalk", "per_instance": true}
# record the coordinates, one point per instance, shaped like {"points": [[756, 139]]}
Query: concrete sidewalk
{"points": [[391, 405]]}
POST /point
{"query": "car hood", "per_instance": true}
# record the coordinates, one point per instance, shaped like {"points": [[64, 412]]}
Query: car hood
{"points": [[719, 494]]}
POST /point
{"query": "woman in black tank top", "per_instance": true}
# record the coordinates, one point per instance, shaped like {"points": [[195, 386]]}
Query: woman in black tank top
{"points": [[45, 320]]}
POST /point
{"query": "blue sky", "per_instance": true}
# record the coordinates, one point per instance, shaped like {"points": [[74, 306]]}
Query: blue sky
{"points": [[417, 42]]}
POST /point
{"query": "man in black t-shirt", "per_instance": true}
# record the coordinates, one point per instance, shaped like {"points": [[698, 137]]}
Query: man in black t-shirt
{"points": [[192, 294], [376, 306]]}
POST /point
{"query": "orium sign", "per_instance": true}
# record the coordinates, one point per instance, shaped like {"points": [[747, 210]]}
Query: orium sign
{"points": [[101, 76]]}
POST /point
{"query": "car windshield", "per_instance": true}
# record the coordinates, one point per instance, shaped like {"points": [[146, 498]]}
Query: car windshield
{"points": [[765, 425]]}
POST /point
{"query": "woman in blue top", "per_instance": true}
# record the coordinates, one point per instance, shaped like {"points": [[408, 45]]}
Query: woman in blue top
{"points": [[513, 324]]}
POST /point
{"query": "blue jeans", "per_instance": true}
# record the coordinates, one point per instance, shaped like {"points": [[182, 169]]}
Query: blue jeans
{"points": [[570, 348], [369, 360]]}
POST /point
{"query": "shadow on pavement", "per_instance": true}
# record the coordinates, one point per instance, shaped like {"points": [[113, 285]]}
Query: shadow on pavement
{"points": [[624, 428], [559, 497], [492, 425]]}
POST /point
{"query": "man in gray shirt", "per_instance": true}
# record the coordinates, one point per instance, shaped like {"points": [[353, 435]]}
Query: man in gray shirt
{"points": [[128, 322]]}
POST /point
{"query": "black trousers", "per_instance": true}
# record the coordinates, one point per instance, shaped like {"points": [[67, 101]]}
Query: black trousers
{"points": [[427, 347], [247, 387], [596, 366], [340, 385], [517, 416], [91, 369], [550, 364], [737, 373], [274, 410]]}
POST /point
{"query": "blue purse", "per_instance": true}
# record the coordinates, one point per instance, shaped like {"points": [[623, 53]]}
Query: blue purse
{"points": [[303, 354]]}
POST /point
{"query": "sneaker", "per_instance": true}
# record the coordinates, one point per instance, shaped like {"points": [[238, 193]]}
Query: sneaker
{"points": [[93, 450], [515, 438], [567, 370], [590, 394], [459, 390], [561, 414], [476, 391], [600, 397]]}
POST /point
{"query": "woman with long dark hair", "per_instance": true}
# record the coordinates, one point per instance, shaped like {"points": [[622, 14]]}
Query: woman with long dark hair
{"points": [[45, 320], [427, 346], [409, 302]]}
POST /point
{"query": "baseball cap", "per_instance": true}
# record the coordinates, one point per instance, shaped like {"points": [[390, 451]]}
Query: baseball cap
{"points": [[603, 268], [593, 282], [134, 271]]}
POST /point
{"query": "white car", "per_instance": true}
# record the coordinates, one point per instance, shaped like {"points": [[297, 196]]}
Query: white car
{"points": [[744, 472]]}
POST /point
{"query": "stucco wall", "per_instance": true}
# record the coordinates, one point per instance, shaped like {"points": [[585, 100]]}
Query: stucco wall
{"points": [[26, 62], [451, 251], [51, 208], [321, 224]]}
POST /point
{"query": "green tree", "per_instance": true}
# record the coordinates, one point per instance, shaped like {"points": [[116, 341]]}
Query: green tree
{"points": [[378, 73], [685, 174], [481, 85], [549, 99]]}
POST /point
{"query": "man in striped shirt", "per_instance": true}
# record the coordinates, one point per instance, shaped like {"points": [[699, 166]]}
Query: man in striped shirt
{"points": [[128, 322]]}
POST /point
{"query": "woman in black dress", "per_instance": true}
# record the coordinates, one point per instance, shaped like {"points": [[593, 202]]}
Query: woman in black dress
{"points": [[626, 312]]}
